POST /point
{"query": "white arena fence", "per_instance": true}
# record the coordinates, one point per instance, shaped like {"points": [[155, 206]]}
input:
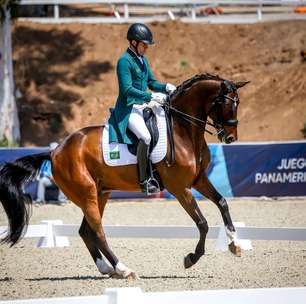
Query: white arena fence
{"points": [[53, 233], [129, 11], [134, 295]]}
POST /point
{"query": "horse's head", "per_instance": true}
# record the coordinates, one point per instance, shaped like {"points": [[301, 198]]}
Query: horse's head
{"points": [[207, 95], [223, 110]]}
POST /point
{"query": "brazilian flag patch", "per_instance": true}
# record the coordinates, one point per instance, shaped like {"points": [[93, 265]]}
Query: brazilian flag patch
{"points": [[114, 155]]}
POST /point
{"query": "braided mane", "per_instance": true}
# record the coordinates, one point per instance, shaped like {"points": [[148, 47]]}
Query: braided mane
{"points": [[185, 85]]}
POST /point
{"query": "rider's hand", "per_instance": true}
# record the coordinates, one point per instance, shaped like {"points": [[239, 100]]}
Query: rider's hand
{"points": [[153, 104], [170, 88], [158, 98]]}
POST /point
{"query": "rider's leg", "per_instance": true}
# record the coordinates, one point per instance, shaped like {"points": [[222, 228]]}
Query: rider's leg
{"points": [[138, 127]]}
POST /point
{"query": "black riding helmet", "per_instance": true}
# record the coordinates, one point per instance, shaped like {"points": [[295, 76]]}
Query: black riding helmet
{"points": [[140, 32]]}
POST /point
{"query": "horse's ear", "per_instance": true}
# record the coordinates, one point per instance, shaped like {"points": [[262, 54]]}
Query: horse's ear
{"points": [[240, 84]]}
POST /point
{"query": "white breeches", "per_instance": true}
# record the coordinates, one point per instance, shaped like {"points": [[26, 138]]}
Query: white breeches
{"points": [[44, 182], [138, 127]]}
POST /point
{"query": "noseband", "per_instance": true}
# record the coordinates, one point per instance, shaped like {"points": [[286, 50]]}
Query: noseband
{"points": [[219, 123], [216, 106]]}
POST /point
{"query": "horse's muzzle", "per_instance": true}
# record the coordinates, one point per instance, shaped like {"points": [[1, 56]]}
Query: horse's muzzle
{"points": [[229, 139]]}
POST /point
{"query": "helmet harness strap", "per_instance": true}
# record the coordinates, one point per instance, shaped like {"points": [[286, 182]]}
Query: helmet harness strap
{"points": [[136, 47]]}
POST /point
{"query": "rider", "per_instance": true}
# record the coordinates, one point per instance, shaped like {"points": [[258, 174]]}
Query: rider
{"points": [[134, 77]]}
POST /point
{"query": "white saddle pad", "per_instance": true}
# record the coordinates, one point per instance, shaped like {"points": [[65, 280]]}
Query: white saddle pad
{"points": [[116, 154]]}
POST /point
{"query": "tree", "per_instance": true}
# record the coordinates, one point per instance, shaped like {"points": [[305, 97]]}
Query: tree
{"points": [[9, 122]]}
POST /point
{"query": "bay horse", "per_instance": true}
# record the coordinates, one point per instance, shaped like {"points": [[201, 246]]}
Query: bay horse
{"points": [[81, 173]]}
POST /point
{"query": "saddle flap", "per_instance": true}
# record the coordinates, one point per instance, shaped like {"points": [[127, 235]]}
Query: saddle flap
{"points": [[151, 122]]}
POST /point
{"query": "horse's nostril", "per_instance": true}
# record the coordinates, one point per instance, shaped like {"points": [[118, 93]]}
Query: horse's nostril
{"points": [[230, 138]]}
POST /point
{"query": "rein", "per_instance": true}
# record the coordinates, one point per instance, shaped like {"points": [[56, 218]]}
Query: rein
{"points": [[200, 123]]}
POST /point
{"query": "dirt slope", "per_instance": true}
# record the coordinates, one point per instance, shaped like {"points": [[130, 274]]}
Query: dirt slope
{"points": [[66, 73]]}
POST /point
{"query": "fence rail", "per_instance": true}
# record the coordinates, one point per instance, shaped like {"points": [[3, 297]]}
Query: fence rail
{"points": [[134, 295], [127, 11], [54, 234]]}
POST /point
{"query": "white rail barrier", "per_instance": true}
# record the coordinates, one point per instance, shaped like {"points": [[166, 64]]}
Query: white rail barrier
{"points": [[54, 233], [134, 295], [128, 11]]}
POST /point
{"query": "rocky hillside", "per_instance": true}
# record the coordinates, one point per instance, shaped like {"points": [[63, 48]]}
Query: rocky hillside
{"points": [[66, 73]]}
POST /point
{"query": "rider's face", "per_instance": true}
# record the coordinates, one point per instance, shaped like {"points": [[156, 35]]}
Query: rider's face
{"points": [[142, 47]]}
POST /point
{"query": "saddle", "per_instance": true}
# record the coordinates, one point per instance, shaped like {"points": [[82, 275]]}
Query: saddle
{"points": [[160, 128], [151, 123]]}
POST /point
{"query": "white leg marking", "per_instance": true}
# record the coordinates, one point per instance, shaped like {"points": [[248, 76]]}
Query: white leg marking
{"points": [[103, 267], [124, 272], [232, 236]]}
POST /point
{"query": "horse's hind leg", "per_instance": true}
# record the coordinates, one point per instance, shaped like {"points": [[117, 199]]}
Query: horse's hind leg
{"points": [[205, 187], [92, 215], [188, 202], [83, 192], [89, 238]]}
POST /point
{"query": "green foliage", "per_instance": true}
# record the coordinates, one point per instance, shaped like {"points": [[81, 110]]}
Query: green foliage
{"points": [[11, 5], [184, 63], [56, 123], [304, 130], [4, 143]]}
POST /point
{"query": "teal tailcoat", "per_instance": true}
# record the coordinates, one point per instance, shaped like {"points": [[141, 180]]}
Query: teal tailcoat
{"points": [[134, 78]]}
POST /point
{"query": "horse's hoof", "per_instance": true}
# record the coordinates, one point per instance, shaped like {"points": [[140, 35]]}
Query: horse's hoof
{"points": [[130, 275], [235, 249], [187, 261]]}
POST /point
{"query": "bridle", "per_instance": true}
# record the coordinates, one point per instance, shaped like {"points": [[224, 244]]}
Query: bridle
{"points": [[216, 106]]}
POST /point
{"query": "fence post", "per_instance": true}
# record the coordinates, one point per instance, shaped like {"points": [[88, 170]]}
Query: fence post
{"points": [[245, 244], [126, 11], [193, 13], [259, 11], [51, 240], [128, 295], [56, 11], [222, 240]]}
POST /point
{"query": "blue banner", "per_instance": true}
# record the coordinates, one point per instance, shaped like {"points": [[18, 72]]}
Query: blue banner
{"points": [[267, 169], [253, 169]]}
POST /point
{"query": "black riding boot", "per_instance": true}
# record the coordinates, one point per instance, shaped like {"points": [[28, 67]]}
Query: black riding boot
{"points": [[147, 183]]}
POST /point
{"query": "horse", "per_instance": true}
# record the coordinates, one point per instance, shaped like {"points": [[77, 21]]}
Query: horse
{"points": [[81, 173]]}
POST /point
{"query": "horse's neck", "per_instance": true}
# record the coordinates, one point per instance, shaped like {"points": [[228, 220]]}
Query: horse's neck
{"points": [[195, 102], [191, 104]]}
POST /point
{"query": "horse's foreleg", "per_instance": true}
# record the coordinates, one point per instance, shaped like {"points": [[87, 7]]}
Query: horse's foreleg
{"points": [[205, 187], [190, 205]]}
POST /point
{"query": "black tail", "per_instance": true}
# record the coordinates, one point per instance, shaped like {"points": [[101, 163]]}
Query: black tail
{"points": [[13, 177]]}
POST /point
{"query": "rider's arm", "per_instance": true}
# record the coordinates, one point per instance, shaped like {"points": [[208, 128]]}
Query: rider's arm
{"points": [[133, 95], [153, 84]]}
